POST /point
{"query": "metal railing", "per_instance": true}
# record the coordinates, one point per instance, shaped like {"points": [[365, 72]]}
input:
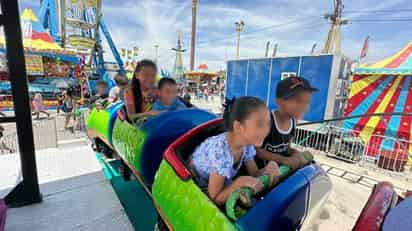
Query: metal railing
{"points": [[45, 134], [48, 132], [8, 144], [379, 152]]}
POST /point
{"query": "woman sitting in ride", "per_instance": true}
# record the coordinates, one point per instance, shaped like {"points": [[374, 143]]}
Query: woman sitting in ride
{"points": [[140, 96], [218, 159]]}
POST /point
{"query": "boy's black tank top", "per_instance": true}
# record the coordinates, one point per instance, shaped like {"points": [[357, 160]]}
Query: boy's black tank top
{"points": [[278, 141]]}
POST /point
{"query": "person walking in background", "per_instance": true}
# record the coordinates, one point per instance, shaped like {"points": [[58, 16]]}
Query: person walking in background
{"points": [[222, 94], [59, 98], [206, 93], [198, 93], [186, 97], [68, 107], [78, 117], [38, 106]]}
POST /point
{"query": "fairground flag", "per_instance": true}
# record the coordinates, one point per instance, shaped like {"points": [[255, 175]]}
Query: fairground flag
{"points": [[365, 48], [275, 50], [313, 49], [267, 49]]}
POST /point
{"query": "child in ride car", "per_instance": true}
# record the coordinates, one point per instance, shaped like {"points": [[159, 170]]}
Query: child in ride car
{"points": [[102, 88], [117, 92], [168, 100], [218, 159], [292, 98]]}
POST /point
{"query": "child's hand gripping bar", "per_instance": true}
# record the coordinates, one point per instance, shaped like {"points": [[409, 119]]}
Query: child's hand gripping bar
{"points": [[241, 199]]}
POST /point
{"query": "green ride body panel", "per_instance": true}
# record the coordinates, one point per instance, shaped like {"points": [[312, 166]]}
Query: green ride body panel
{"points": [[184, 205], [128, 140], [100, 122]]}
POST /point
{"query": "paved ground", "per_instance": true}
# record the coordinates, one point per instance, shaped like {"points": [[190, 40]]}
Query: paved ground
{"points": [[342, 208], [76, 195]]}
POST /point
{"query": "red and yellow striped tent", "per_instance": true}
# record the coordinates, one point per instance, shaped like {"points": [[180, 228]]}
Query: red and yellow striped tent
{"points": [[385, 86]]}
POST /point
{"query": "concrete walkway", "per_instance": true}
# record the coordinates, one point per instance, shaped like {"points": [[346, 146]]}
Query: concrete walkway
{"points": [[76, 195]]}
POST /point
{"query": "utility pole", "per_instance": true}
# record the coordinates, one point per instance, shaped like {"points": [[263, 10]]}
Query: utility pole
{"points": [[156, 52], [239, 27], [332, 44], [192, 47]]}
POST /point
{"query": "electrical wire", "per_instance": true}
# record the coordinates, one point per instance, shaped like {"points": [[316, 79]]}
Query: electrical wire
{"points": [[378, 11], [383, 20], [271, 27], [251, 34]]}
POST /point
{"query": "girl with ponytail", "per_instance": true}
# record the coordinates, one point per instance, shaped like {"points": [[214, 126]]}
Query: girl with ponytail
{"points": [[139, 97], [218, 159]]}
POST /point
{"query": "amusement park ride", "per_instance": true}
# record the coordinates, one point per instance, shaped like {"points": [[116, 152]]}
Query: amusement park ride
{"points": [[157, 151], [81, 27]]}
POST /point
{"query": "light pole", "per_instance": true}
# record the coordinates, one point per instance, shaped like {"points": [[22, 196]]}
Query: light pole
{"points": [[239, 27], [156, 52], [193, 39]]}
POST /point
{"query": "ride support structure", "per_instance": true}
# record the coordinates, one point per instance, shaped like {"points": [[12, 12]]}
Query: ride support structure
{"points": [[53, 18]]}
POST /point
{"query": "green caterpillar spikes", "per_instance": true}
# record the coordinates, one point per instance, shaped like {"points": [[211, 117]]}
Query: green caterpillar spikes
{"points": [[240, 200]]}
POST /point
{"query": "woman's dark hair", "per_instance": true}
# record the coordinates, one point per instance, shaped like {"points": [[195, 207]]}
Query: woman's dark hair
{"points": [[240, 109], [137, 92]]}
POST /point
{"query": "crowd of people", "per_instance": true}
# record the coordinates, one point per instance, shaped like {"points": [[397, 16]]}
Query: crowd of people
{"points": [[208, 93]]}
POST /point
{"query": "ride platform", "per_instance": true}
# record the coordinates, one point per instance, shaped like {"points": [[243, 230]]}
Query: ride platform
{"points": [[76, 195]]}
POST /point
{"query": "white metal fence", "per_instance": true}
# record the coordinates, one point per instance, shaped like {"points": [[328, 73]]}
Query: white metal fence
{"points": [[379, 152], [48, 132], [8, 144]]}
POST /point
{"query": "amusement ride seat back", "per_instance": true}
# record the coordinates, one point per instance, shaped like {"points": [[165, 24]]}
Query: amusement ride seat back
{"points": [[186, 149], [382, 199]]}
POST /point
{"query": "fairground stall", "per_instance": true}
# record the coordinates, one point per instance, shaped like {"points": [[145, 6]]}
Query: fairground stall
{"points": [[383, 87], [203, 77], [50, 69]]}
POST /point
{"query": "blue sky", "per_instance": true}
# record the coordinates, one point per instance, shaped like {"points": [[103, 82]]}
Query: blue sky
{"points": [[294, 25]]}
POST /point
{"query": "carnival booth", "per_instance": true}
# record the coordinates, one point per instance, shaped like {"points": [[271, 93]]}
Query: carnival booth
{"points": [[383, 87], [49, 67], [202, 77]]}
